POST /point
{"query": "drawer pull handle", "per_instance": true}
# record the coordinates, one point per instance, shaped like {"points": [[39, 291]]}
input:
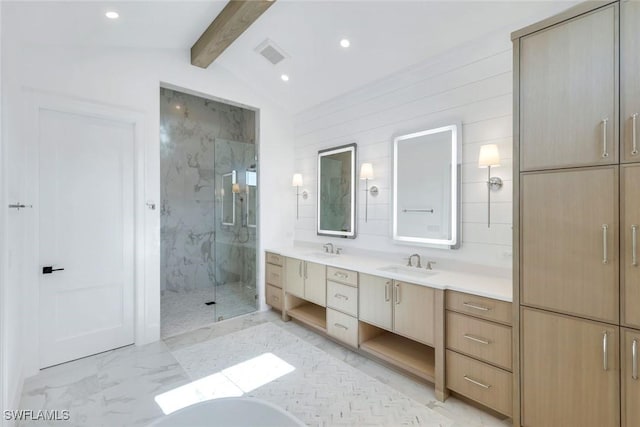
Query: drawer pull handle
{"points": [[634, 132], [341, 296], [339, 325], [605, 151], [387, 285], [478, 383], [476, 339], [605, 351], [397, 293], [275, 298], [605, 248], [341, 275], [634, 360], [634, 245], [475, 307]]}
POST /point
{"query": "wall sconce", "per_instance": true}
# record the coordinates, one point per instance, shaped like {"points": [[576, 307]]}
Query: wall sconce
{"points": [[235, 188], [297, 182], [489, 156], [366, 173]]}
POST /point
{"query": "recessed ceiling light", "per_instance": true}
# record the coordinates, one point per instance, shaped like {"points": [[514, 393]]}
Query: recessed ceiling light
{"points": [[112, 14], [345, 43], [284, 77], [178, 107]]}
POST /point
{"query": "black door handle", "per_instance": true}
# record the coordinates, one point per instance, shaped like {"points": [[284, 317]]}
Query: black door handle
{"points": [[49, 269]]}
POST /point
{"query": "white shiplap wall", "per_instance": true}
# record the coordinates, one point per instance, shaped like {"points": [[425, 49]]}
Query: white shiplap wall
{"points": [[471, 84]]}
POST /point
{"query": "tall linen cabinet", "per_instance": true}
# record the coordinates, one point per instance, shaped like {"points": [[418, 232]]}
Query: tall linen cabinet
{"points": [[577, 218]]}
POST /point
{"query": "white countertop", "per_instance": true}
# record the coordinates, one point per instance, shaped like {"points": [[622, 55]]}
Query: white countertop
{"points": [[477, 280]]}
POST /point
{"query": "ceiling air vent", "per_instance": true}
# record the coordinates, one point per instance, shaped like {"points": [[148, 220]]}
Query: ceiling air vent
{"points": [[271, 52]]}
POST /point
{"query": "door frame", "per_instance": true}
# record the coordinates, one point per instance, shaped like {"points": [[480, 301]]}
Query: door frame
{"points": [[146, 256], [4, 393]]}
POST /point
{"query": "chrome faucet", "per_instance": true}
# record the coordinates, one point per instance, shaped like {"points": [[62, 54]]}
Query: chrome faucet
{"points": [[430, 265], [410, 264], [327, 246]]}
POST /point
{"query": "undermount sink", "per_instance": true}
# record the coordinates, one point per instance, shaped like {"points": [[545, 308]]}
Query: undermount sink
{"points": [[411, 271], [323, 254]]}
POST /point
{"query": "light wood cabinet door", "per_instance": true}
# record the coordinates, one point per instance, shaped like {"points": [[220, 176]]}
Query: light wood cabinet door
{"points": [[294, 279], [630, 233], [374, 301], [414, 311], [568, 379], [315, 283], [630, 378], [569, 94], [569, 242], [630, 80]]}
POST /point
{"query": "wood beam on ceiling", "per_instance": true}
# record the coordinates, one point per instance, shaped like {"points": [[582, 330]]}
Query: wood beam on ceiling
{"points": [[235, 18]]}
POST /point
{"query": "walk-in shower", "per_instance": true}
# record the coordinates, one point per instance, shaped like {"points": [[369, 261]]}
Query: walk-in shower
{"points": [[209, 193]]}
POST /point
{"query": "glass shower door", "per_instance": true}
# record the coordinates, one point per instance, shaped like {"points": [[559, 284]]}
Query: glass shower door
{"points": [[236, 227]]}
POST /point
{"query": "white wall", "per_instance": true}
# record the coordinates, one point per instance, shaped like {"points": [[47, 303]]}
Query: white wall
{"points": [[471, 84], [130, 79]]}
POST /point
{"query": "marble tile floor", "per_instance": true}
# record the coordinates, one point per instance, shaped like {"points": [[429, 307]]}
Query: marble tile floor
{"points": [[329, 384], [181, 312]]}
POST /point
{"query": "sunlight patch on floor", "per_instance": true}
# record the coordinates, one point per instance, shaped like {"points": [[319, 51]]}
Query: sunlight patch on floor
{"points": [[231, 382]]}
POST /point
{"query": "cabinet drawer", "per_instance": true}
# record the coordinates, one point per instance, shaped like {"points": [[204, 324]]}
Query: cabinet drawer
{"points": [[480, 382], [342, 327], [273, 297], [347, 277], [274, 259], [487, 308], [477, 338], [342, 297], [274, 275]]}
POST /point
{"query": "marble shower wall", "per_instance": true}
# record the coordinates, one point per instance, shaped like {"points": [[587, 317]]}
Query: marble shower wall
{"points": [[193, 131]]}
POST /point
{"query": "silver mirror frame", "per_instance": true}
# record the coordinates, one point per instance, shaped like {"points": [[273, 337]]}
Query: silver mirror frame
{"points": [[352, 218], [456, 144]]}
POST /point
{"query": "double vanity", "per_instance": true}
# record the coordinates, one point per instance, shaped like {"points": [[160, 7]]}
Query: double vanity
{"points": [[450, 328]]}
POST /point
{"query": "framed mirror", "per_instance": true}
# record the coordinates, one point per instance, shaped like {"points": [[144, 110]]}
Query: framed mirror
{"points": [[252, 197], [336, 192], [228, 205], [426, 195]]}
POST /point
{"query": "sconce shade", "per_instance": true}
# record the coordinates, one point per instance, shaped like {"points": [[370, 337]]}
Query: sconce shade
{"points": [[366, 171], [489, 156], [235, 188], [297, 180]]}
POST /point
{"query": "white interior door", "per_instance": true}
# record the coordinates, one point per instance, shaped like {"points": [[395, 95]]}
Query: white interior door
{"points": [[86, 227]]}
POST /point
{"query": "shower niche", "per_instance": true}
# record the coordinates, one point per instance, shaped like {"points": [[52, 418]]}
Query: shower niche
{"points": [[209, 205]]}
